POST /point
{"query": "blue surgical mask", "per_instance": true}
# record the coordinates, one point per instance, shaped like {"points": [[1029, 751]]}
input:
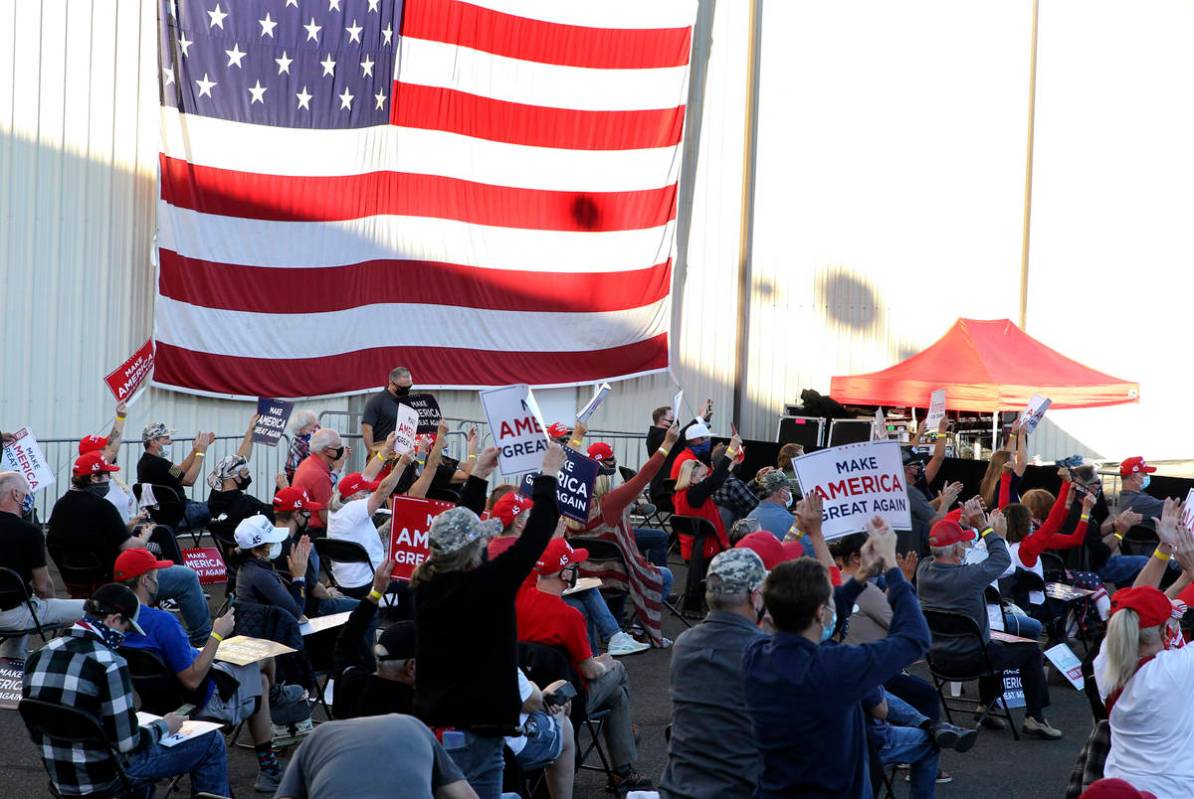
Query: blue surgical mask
{"points": [[827, 633], [1145, 481], [701, 449]]}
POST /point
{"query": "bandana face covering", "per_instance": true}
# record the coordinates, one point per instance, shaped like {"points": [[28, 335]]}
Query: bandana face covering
{"points": [[113, 638]]}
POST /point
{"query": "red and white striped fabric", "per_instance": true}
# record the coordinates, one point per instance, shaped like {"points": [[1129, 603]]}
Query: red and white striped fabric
{"points": [[513, 222]]}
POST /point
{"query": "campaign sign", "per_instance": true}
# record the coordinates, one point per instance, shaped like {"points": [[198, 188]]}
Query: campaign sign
{"points": [[409, 526], [676, 402], [428, 408], [574, 487], [599, 395], [1064, 659], [125, 379], [517, 427], [1188, 511], [1035, 411], [23, 455], [274, 414], [12, 672], [1013, 688], [856, 482], [207, 563], [936, 409], [406, 428]]}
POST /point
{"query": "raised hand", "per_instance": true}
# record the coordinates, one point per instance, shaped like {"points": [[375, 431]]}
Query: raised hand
{"points": [[1088, 502], [1170, 521], [973, 514], [381, 577], [296, 561], [907, 563], [671, 436], [486, 462], [998, 523], [884, 541], [553, 460], [808, 514]]}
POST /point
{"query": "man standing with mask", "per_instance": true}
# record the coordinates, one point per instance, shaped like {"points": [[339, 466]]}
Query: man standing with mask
{"points": [[381, 411], [712, 752], [315, 475]]}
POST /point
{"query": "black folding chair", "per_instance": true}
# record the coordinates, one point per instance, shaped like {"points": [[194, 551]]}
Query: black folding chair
{"points": [[600, 550], [1053, 567], [1139, 540], [64, 724], [337, 550], [157, 688], [13, 593], [699, 529], [950, 627], [82, 572], [169, 508]]}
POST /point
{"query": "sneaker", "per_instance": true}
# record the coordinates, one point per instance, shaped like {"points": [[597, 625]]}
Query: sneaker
{"points": [[620, 643], [283, 694], [268, 781], [632, 781], [988, 721], [1040, 729], [662, 643], [943, 777], [948, 736]]}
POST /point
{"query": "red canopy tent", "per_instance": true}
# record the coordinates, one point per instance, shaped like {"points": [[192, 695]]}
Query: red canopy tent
{"points": [[985, 366]]}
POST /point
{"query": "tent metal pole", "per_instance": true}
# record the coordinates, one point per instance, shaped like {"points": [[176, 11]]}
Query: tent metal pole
{"points": [[1027, 222]]}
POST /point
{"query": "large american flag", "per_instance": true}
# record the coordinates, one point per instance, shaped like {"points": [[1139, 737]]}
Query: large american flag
{"points": [[484, 192]]}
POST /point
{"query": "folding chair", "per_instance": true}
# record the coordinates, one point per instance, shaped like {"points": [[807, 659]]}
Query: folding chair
{"points": [[64, 724], [663, 506], [169, 508], [337, 550], [157, 688], [14, 593], [81, 572], [948, 626], [699, 529], [1139, 540], [600, 550]]}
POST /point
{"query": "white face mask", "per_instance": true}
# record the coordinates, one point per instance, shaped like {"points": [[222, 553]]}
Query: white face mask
{"points": [[275, 549]]}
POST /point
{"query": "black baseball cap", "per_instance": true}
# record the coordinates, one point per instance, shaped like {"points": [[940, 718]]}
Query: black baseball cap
{"points": [[116, 598], [397, 642]]}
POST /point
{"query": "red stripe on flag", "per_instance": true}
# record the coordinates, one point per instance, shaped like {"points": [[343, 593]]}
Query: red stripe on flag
{"points": [[278, 290], [357, 371], [546, 42], [288, 198], [431, 108]]}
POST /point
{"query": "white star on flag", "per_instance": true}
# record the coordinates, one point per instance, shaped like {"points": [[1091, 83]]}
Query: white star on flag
{"points": [[258, 93], [329, 66], [168, 75], [373, 4], [346, 100], [283, 63], [354, 32], [205, 86], [267, 26], [235, 56], [387, 32], [333, 5], [304, 99], [381, 100], [185, 44], [313, 30], [367, 67], [217, 17]]}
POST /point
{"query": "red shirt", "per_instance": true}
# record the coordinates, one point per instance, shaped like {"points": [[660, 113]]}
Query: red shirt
{"points": [[315, 477], [544, 618], [685, 455]]}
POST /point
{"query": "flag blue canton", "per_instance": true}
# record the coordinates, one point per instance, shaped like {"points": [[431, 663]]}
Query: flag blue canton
{"points": [[288, 63]]}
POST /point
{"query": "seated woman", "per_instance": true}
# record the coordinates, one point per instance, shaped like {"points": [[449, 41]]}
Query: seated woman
{"points": [[695, 486]]}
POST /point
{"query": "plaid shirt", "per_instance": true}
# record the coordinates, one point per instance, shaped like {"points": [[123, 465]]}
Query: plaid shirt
{"points": [[79, 670], [300, 448], [736, 497], [1089, 766]]}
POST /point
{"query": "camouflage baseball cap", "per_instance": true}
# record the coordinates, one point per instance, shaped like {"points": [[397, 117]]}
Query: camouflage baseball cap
{"points": [[772, 482], [456, 528], [155, 430], [737, 571]]}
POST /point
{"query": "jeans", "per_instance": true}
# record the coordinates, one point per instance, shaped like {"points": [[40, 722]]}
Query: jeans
{"points": [[1015, 622], [196, 514], [666, 574], [50, 612], [916, 692], [611, 691], [480, 758], [1122, 569], [1025, 657], [181, 584], [652, 542], [602, 624], [909, 742], [204, 757]]}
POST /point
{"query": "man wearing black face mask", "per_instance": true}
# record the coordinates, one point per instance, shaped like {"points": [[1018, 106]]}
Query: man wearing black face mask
{"points": [[229, 479], [381, 411]]}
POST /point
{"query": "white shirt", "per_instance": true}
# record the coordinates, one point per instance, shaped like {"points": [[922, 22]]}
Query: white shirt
{"points": [[122, 499], [1152, 725], [353, 523], [525, 688]]}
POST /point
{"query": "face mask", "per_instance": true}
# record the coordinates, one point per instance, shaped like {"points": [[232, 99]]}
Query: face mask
{"points": [[788, 501], [302, 521], [275, 549], [569, 576], [99, 489], [167, 451], [26, 504], [608, 471], [1148, 478], [827, 632], [402, 391], [701, 449], [113, 638], [244, 483], [338, 453], [153, 593]]}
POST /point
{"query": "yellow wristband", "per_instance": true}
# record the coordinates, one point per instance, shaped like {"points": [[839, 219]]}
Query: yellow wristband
{"points": [[375, 595], [381, 456], [472, 457], [795, 532], [985, 532], [198, 454], [1118, 537], [1159, 555], [1085, 517], [219, 638], [664, 450], [120, 418], [731, 453], [574, 442]]}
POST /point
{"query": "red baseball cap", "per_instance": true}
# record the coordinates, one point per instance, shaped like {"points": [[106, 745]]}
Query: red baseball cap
{"points": [[770, 549], [133, 563], [93, 463], [558, 556], [558, 430], [947, 531], [508, 506], [1152, 606], [354, 482], [92, 444], [1114, 788], [1135, 465], [292, 499], [600, 451]]}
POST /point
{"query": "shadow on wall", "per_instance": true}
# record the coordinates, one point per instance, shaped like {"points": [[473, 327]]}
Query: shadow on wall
{"points": [[851, 303]]}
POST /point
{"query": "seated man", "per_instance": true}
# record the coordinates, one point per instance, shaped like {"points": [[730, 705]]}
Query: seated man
{"points": [[243, 695], [898, 733], [353, 521], [292, 510], [712, 753], [23, 549], [229, 481], [775, 500], [945, 582], [157, 468], [83, 521], [545, 618], [83, 670], [380, 756], [805, 698]]}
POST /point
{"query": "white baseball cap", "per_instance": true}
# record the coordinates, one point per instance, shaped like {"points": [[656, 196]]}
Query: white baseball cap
{"points": [[257, 530], [696, 430]]}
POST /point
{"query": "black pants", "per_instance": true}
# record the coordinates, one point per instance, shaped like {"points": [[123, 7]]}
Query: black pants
{"points": [[1025, 657], [916, 692]]}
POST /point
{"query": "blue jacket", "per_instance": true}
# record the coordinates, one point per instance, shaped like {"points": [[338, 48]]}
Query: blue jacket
{"points": [[804, 699]]}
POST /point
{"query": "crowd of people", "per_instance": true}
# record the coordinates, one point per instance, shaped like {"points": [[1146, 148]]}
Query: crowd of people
{"points": [[797, 678]]}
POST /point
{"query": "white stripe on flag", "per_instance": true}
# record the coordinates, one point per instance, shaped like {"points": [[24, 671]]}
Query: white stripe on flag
{"points": [[318, 335], [266, 150], [253, 242], [609, 14]]}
